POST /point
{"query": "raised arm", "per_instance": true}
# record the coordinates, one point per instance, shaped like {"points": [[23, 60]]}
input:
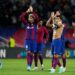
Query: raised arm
{"points": [[24, 14], [50, 22], [22, 17]]}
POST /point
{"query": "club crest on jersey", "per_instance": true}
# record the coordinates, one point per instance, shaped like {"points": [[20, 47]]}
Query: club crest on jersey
{"points": [[28, 27]]}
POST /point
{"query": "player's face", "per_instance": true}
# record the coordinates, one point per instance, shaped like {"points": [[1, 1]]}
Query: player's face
{"points": [[57, 13], [58, 20], [31, 19], [40, 23], [52, 15]]}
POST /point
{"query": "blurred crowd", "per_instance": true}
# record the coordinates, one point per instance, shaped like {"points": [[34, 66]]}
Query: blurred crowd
{"points": [[10, 10]]}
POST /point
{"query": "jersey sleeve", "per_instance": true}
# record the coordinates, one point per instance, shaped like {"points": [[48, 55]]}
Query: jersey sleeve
{"points": [[46, 32], [22, 18]]}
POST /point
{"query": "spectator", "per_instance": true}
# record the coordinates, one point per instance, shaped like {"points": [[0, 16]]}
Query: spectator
{"points": [[11, 42]]}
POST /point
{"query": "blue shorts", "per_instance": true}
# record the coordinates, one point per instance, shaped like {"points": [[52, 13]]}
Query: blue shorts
{"points": [[40, 47], [62, 47], [30, 45], [56, 46]]}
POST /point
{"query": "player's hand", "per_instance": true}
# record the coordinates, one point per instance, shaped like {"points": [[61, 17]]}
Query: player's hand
{"points": [[31, 9], [52, 15], [28, 11]]}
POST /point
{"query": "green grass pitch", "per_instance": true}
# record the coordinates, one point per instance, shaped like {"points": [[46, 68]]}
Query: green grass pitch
{"points": [[18, 67]]}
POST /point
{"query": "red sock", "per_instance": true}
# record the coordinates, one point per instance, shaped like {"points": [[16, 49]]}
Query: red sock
{"points": [[29, 58], [54, 62], [59, 64]]}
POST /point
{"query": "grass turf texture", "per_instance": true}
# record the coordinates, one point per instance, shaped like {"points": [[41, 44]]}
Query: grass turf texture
{"points": [[18, 67]]}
